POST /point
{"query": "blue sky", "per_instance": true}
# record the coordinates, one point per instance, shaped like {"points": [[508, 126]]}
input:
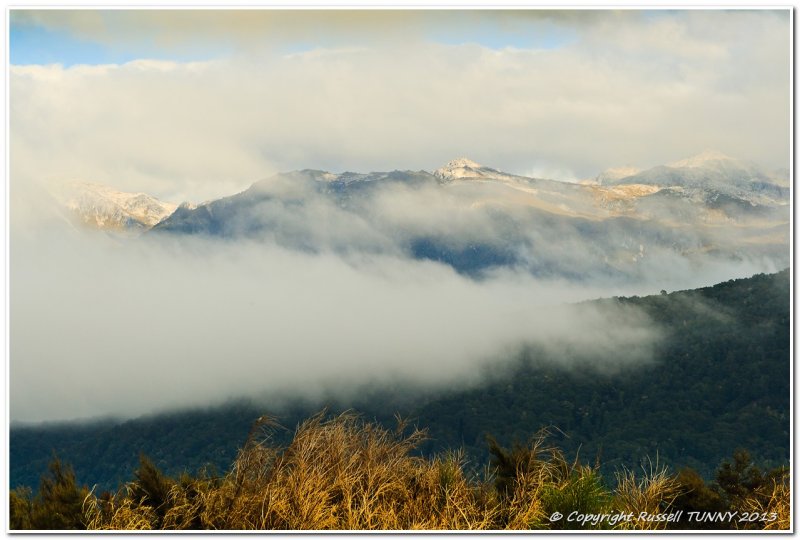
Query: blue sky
{"points": [[39, 44], [56, 42]]}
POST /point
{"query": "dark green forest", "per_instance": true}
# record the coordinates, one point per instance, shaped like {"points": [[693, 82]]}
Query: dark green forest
{"points": [[720, 382]]}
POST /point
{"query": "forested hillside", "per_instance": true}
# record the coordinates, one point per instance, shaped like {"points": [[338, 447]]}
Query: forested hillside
{"points": [[720, 382]]}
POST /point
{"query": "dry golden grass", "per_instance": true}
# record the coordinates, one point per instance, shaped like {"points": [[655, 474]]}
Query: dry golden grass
{"points": [[653, 492], [341, 473], [122, 513], [773, 504], [542, 466]]}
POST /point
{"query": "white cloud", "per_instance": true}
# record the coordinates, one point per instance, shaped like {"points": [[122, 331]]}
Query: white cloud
{"points": [[629, 90], [127, 328]]}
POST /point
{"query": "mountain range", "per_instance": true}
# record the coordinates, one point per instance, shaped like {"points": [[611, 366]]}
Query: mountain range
{"points": [[475, 218]]}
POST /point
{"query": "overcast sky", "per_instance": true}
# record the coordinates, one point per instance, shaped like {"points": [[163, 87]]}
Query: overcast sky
{"points": [[190, 104]]}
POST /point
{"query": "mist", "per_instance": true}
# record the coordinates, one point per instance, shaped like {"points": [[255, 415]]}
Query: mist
{"points": [[107, 327]]}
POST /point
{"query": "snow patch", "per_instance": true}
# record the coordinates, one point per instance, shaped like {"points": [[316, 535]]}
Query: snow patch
{"points": [[463, 168], [103, 207]]}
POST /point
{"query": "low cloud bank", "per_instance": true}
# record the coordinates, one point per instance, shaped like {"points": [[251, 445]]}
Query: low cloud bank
{"points": [[124, 328]]}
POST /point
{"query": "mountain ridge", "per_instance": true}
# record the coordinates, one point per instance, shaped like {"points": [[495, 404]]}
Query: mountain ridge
{"points": [[81, 197], [475, 218]]}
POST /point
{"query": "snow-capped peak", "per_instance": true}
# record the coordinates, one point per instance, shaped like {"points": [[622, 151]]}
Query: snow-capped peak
{"points": [[466, 169], [459, 168], [463, 162]]}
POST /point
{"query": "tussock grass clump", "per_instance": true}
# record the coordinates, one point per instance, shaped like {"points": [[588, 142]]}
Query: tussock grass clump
{"points": [[536, 479], [341, 473], [772, 502], [121, 513], [653, 492], [344, 473]]}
